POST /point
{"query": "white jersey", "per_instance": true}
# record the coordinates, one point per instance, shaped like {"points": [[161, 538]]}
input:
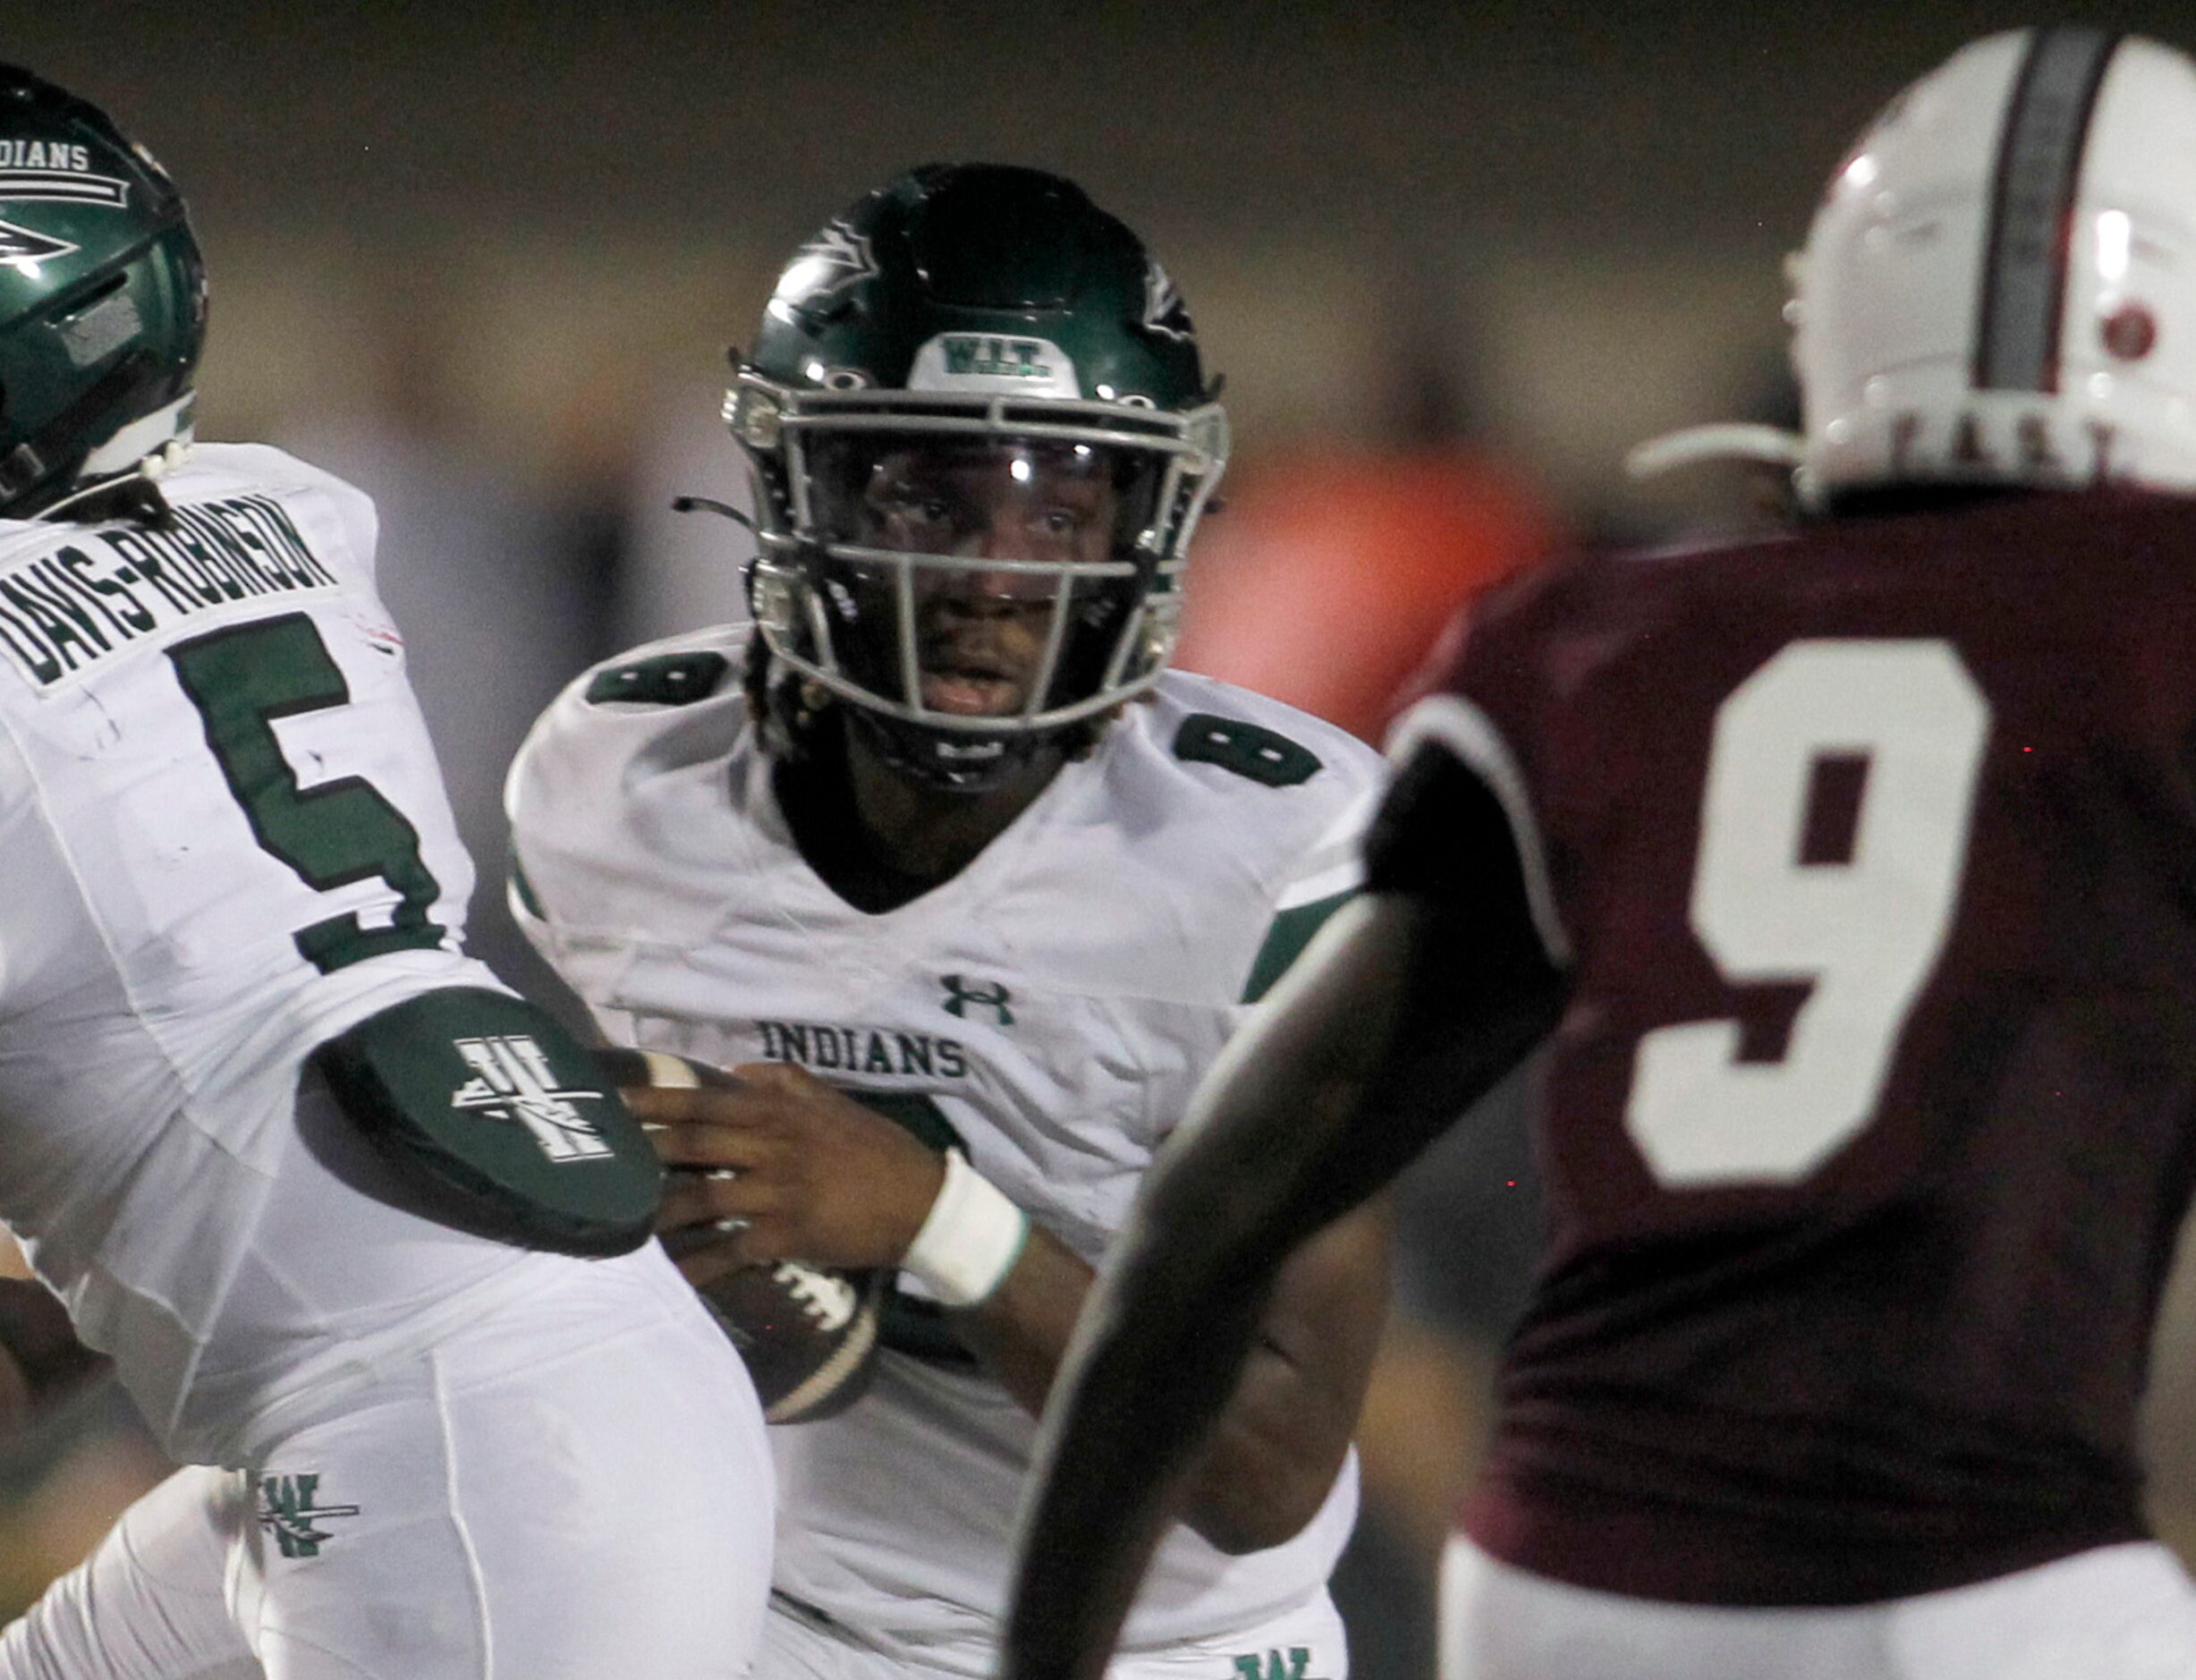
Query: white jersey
{"points": [[1051, 1007], [226, 842]]}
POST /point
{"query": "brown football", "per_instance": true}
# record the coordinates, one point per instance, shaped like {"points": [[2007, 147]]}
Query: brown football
{"points": [[809, 1333]]}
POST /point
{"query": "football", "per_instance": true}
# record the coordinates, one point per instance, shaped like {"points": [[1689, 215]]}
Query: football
{"points": [[809, 1333]]}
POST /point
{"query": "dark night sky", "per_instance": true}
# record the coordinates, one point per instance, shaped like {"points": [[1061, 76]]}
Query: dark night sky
{"points": [[1566, 215], [1570, 121]]}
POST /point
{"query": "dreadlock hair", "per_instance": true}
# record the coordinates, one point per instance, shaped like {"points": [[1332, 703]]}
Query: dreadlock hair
{"points": [[785, 707]]}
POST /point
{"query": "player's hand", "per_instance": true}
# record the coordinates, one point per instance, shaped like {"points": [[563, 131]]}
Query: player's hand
{"points": [[814, 1175]]}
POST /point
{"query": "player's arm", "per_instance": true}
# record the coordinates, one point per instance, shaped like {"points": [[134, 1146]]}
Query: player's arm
{"points": [[1280, 1438], [1411, 1004], [823, 1179], [41, 1363]]}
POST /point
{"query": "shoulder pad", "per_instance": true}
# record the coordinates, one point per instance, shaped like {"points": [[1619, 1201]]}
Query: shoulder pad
{"points": [[669, 679]]}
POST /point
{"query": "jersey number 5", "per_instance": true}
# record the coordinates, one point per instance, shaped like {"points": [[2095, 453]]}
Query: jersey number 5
{"points": [[243, 678], [1903, 725]]}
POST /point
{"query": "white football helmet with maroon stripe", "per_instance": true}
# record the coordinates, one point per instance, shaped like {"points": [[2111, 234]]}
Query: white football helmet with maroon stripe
{"points": [[2000, 285]]}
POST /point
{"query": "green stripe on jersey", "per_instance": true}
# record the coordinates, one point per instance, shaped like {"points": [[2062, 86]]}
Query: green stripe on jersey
{"points": [[1285, 940]]}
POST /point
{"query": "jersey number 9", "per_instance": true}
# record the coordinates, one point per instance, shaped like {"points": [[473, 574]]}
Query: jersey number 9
{"points": [[1863, 931]]}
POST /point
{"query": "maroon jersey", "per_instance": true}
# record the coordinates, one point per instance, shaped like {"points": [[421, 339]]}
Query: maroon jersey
{"points": [[1872, 1122]]}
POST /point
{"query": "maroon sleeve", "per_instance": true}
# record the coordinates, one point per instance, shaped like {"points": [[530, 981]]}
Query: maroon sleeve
{"points": [[1460, 821]]}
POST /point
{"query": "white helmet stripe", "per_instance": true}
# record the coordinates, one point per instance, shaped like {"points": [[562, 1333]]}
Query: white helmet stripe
{"points": [[2039, 162]]}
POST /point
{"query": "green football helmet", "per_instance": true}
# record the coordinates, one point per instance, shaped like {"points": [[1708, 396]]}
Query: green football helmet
{"points": [[980, 439], [102, 303]]}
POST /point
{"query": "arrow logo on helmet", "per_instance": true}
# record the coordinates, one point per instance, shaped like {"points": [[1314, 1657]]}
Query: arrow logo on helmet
{"points": [[835, 259], [20, 245], [1164, 310]]}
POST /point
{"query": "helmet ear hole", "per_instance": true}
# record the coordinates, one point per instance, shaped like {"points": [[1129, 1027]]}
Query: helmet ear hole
{"points": [[69, 306]]}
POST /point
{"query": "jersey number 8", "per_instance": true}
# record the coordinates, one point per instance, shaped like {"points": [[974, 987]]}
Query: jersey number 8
{"points": [[1863, 932]]}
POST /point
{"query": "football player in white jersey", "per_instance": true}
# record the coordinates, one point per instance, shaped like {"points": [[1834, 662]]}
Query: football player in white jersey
{"points": [[940, 838], [362, 1233]]}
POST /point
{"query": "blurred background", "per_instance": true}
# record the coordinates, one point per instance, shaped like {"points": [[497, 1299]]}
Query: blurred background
{"points": [[485, 260]]}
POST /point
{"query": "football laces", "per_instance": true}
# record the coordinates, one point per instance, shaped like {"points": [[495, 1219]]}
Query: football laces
{"points": [[828, 1300]]}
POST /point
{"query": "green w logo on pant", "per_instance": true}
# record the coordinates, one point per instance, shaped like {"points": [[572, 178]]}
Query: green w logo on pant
{"points": [[1276, 1664], [287, 1511]]}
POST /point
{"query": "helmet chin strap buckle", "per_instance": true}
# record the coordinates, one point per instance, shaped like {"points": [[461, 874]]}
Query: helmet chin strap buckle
{"points": [[163, 460]]}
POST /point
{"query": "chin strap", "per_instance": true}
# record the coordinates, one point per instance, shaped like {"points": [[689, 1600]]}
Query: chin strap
{"points": [[139, 484], [1732, 440], [37, 459], [34, 464]]}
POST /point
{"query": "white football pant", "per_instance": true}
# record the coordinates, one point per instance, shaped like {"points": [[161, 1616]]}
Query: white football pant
{"points": [[2117, 1613], [576, 1488], [1305, 1643]]}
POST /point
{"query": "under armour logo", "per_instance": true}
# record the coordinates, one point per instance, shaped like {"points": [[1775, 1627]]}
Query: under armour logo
{"points": [[513, 1082], [960, 994], [287, 1511]]}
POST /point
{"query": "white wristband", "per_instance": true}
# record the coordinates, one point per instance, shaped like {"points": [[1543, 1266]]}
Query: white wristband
{"points": [[970, 1240]]}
